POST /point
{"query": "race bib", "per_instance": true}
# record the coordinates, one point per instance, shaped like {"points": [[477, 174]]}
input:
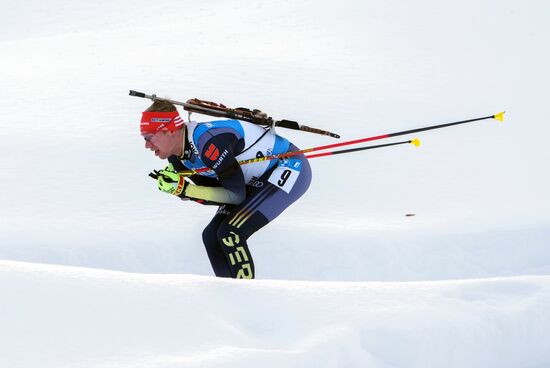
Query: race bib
{"points": [[286, 173]]}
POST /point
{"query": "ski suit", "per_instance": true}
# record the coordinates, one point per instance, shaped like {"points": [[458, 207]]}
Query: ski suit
{"points": [[249, 196]]}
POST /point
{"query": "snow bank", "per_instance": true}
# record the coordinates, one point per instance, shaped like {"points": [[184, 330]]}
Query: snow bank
{"points": [[55, 316]]}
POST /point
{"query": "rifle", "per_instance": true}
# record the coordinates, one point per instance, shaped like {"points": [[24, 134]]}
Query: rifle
{"points": [[254, 116]]}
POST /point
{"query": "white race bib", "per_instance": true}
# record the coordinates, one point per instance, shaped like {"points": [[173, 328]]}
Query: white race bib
{"points": [[286, 173]]}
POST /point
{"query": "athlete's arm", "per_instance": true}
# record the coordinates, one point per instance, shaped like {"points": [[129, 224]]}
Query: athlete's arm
{"points": [[218, 154]]}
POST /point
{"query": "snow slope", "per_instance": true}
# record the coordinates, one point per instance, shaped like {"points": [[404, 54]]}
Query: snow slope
{"points": [[354, 282], [93, 318]]}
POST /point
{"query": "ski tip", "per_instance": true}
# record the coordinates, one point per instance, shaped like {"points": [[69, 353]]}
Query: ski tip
{"points": [[416, 142], [499, 116]]}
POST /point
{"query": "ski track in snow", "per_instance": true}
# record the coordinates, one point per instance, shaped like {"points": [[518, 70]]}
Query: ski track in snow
{"points": [[98, 269]]}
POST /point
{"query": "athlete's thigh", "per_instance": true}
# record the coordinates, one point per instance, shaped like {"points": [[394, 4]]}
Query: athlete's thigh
{"points": [[267, 201]]}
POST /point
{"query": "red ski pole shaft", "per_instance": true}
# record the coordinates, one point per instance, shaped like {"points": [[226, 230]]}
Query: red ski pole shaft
{"points": [[368, 139], [499, 116], [416, 142]]}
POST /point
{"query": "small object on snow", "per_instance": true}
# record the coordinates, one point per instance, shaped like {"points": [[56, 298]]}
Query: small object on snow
{"points": [[410, 214]]}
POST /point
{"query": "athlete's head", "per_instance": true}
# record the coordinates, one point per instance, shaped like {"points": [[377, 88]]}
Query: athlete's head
{"points": [[161, 127]]}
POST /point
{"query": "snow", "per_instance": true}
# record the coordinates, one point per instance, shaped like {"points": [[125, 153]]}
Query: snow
{"points": [[112, 319], [99, 269]]}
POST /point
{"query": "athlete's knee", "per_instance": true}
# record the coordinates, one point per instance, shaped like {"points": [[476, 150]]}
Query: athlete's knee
{"points": [[209, 237], [214, 251]]}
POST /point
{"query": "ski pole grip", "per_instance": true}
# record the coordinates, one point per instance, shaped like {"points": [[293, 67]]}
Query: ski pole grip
{"points": [[137, 94]]}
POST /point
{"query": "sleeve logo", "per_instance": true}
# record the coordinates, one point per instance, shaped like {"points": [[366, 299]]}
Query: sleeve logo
{"points": [[212, 152]]}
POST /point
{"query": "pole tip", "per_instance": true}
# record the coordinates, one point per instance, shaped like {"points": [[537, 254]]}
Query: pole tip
{"points": [[499, 116], [416, 142]]}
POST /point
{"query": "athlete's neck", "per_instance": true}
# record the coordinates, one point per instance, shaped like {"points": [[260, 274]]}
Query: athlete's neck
{"points": [[183, 139]]}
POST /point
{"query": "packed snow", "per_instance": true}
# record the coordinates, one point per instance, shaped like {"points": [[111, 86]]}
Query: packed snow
{"points": [[99, 269], [75, 317]]}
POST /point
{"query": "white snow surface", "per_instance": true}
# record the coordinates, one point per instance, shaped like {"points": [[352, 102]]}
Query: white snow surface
{"points": [[100, 269], [74, 317]]}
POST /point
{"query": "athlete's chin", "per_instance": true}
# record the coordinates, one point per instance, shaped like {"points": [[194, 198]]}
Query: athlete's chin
{"points": [[159, 154]]}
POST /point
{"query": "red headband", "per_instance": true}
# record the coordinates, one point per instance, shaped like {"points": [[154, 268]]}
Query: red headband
{"points": [[153, 121]]}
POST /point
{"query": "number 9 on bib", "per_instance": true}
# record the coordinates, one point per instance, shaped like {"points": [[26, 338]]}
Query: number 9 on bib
{"points": [[286, 173]]}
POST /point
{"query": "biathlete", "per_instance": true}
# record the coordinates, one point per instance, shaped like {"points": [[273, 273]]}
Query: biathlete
{"points": [[248, 196]]}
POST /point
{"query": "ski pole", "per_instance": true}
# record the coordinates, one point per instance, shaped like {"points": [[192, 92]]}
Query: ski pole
{"points": [[155, 174], [415, 142], [499, 116]]}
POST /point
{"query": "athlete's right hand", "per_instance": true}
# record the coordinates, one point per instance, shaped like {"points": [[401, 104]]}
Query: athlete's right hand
{"points": [[169, 181]]}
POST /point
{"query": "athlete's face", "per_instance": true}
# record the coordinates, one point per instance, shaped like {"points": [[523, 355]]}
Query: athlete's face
{"points": [[164, 144]]}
